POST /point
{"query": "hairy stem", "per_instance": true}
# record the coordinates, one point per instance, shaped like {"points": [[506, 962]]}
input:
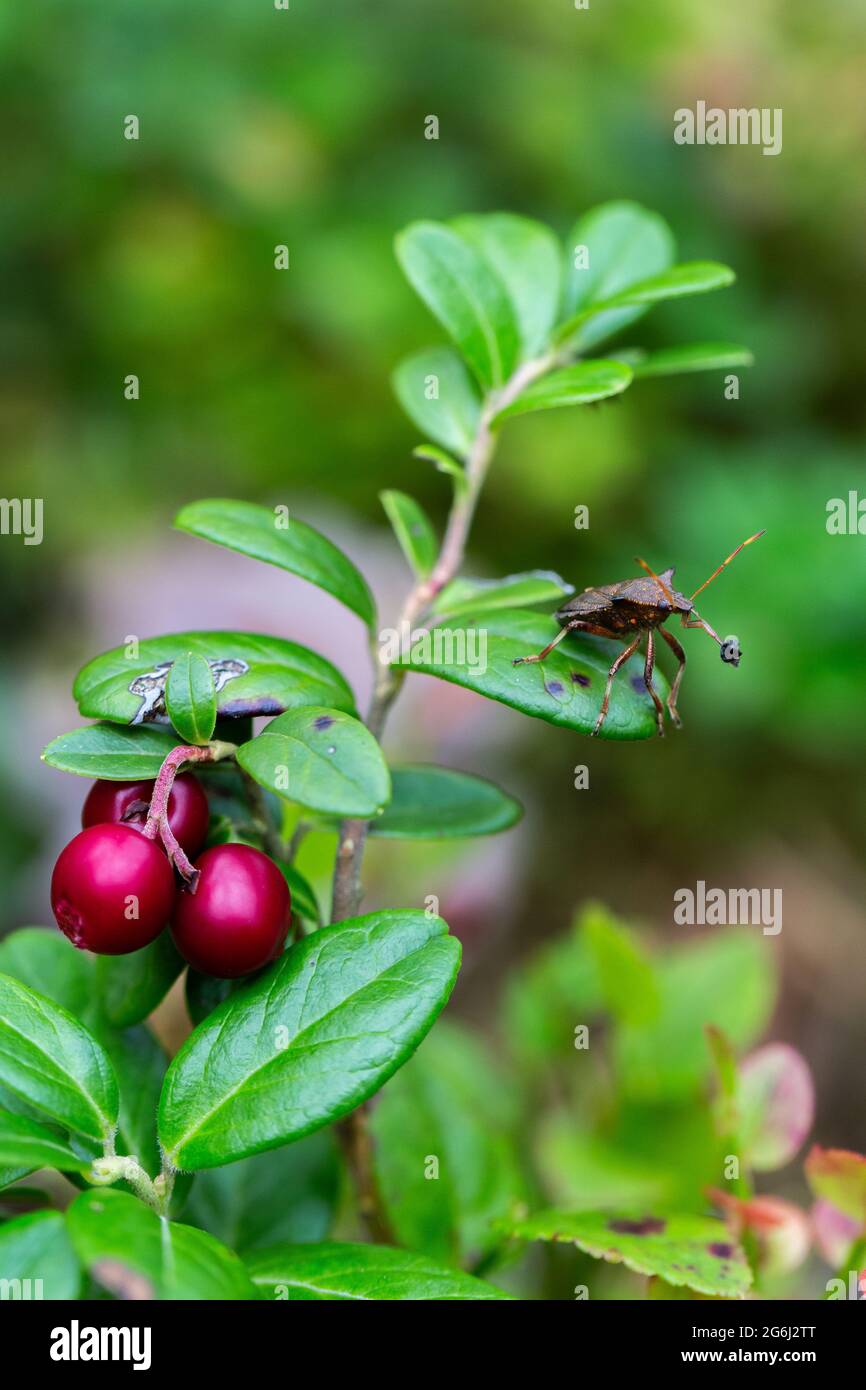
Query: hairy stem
{"points": [[418, 605]]}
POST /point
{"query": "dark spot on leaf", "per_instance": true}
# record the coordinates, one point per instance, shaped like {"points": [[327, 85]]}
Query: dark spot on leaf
{"points": [[238, 709], [578, 679], [649, 1226], [555, 687], [638, 682], [722, 1249], [324, 721]]}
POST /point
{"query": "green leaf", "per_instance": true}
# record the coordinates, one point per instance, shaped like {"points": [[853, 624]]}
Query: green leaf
{"points": [[434, 803], [134, 1253], [513, 591], [203, 993], [130, 987], [190, 698], [625, 972], [117, 754], [321, 759], [266, 534], [576, 385], [42, 958], [256, 675], [439, 395], [566, 689], [839, 1176], [26, 1144], [547, 996], [139, 1063], [692, 277], [309, 1039], [725, 979], [586, 1171], [413, 530], [449, 1106], [527, 258], [288, 1195], [36, 1250], [693, 357], [305, 904], [626, 244], [443, 463], [50, 1060], [353, 1272], [465, 294], [696, 1251]]}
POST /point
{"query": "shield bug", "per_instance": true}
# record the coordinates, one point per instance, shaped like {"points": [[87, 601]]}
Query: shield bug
{"points": [[631, 608]]}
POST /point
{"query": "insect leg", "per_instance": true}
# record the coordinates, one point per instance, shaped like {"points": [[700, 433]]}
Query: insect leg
{"points": [[576, 625], [700, 622], [648, 682], [675, 688], [623, 656]]}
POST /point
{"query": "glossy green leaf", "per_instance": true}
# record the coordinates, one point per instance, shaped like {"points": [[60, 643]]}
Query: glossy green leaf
{"points": [[110, 751], [43, 959], [309, 1039], [452, 1108], [839, 1176], [190, 698], [776, 1101], [361, 1272], [413, 530], [566, 689], [513, 591], [439, 395], [696, 1251], [26, 1144], [255, 675], [692, 277], [48, 1058], [465, 294], [693, 357], [725, 979], [321, 759], [579, 384], [37, 1259], [287, 1195], [527, 258], [268, 534], [434, 803], [135, 1254], [626, 244], [130, 987], [625, 972]]}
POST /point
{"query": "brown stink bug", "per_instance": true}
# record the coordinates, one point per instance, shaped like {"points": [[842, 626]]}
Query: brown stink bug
{"points": [[631, 608]]}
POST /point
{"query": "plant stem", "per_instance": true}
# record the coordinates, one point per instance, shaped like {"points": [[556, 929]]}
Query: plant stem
{"points": [[157, 819], [347, 886]]}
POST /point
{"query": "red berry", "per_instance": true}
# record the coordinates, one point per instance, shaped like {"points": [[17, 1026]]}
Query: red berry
{"points": [[187, 808], [237, 919], [112, 890]]}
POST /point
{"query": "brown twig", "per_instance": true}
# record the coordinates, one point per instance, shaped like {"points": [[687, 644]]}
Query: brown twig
{"points": [[347, 887]]}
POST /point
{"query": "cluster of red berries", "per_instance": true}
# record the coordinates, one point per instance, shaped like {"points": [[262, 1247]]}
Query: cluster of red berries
{"points": [[113, 889]]}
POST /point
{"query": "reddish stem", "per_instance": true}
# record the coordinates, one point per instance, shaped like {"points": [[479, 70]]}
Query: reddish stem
{"points": [[157, 819]]}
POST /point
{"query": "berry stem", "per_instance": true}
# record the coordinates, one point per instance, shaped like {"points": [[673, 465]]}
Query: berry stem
{"points": [[157, 819]]}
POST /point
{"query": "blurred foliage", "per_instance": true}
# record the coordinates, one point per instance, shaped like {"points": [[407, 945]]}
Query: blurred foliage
{"points": [[306, 128]]}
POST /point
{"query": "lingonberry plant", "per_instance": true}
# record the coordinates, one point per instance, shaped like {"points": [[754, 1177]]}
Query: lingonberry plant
{"points": [[297, 1024]]}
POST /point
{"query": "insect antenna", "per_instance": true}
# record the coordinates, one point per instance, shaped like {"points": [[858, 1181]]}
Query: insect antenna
{"points": [[757, 536], [661, 583]]}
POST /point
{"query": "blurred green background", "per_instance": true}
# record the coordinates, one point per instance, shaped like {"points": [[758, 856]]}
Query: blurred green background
{"points": [[306, 127]]}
